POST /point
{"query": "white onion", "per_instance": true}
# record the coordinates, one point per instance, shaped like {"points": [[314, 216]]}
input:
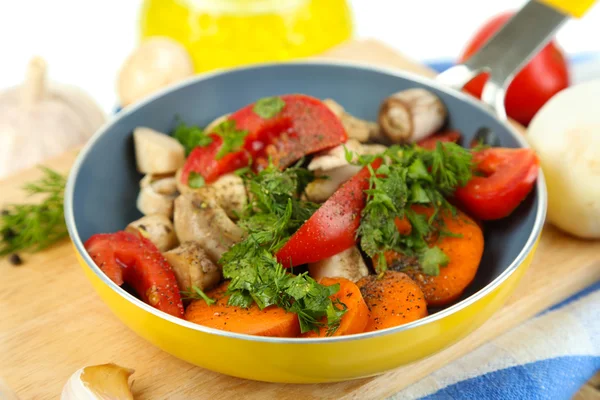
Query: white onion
{"points": [[565, 133]]}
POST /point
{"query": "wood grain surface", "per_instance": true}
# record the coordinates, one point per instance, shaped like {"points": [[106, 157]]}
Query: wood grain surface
{"points": [[52, 322]]}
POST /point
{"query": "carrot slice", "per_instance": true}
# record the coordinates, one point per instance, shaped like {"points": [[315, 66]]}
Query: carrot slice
{"points": [[270, 321], [357, 314], [464, 253], [393, 299]]}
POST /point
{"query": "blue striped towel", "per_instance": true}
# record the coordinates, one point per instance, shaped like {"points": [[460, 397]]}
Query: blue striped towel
{"points": [[548, 357]]}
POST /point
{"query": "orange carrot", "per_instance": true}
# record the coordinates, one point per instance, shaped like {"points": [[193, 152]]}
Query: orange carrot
{"points": [[393, 299], [271, 321], [357, 314], [403, 226], [464, 255]]}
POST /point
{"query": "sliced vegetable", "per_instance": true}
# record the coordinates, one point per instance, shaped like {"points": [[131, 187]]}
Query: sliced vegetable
{"points": [[157, 228], [411, 115], [348, 264], [156, 152], [393, 299], [192, 267], [130, 258], [270, 321], [430, 142], [509, 175], [355, 318], [332, 228], [304, 125], [461, 250]]}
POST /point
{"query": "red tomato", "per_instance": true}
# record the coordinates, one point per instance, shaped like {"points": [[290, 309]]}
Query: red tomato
{"points": [[203, 160], [430, 142], [127, 257], [304, 126], [509, 176], [332, 228], [544, 76]]}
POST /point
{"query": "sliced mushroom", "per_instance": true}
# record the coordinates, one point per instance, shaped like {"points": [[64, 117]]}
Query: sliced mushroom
{"points": [[158, 229], [336, 170], [347, 264], [156, 197], [356, 128], [411, 115], [198, 217], [193, 267], [231, 194], [157, 153]]}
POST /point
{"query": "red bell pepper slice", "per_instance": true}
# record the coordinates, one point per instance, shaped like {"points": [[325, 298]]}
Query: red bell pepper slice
{"points": [[430, 142], [305, 125], [131, 258], [332, 228], [509, 175]]}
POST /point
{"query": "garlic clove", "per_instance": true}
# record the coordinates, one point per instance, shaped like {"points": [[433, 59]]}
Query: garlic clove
{"points": [[99, 382]]}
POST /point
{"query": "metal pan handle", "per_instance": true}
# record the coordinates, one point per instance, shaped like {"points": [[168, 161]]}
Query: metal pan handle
{"points": [[526, 33]]}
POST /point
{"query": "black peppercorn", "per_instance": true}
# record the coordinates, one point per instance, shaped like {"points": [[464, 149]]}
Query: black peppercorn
{"points": [[15, 259]]}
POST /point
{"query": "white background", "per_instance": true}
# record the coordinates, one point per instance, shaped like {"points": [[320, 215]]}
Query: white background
{"points": [[85, 42]]}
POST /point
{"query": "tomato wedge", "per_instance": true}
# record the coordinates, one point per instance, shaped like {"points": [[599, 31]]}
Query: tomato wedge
{"points": [[509, 175], [203, 160], [131, 258], [430, 142], [304, 125], [332, 228]]}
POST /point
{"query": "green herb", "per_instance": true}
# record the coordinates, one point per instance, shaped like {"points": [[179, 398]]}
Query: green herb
{"points": [[274, 214], [432, 259], [233, 138], [195, 180], [195, 293], [35, 226], [268, 107], [411, 176], [191, 137]]}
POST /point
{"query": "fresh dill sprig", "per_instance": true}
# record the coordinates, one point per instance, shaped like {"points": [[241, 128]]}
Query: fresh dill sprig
{"points": [[35, 226]]}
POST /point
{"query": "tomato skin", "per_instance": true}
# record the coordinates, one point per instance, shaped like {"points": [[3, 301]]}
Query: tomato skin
{"points": [[304, 126], [332, 228], [430, 142], [545, 75], [509, 176], [203, 160], [131, 258]]}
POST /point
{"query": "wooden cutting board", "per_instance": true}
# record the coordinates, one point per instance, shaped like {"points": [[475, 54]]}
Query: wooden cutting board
{"points": [[52, 322]]}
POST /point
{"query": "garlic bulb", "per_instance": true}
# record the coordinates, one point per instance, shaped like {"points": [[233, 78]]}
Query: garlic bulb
{"points": [[565, 133], [99, 382], [156, 63], [38, 120]]}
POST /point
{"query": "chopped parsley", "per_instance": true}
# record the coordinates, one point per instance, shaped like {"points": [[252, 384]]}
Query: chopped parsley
{"points": [[274, 214], [411, 176], [191, 137], [268, 107], [233, 138], [195, 180]]}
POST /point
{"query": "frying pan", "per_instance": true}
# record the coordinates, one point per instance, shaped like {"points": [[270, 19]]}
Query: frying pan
{"points": [[103, 186]]}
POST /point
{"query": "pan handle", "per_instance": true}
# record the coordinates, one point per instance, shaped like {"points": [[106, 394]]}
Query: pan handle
{"points": [[526, 33]]}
